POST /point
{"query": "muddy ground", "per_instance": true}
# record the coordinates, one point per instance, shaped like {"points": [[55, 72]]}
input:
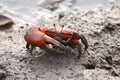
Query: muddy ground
{"points": [[100, 27]]}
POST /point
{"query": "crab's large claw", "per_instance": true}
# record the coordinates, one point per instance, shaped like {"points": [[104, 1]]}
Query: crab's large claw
{"points": [[84, 41]]}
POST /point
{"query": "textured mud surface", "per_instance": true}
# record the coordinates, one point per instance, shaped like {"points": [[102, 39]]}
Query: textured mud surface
{"points": [[100, 27]]}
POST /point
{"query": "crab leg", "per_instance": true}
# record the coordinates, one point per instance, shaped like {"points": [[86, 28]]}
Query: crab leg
{"points": [[79, 50], [31, 48], [27, 46], [84, 40]]}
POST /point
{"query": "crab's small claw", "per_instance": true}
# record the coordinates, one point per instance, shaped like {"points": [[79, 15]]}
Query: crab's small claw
{"points": [[48, 49], [55, 42], [84, 41]]}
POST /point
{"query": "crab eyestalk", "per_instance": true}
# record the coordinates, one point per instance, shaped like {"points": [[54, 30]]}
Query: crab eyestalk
{"points": [[62, 28], [54, 27]]}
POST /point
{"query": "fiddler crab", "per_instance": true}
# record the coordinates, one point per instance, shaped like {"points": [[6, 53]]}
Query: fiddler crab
{"points": [[42, 37]]}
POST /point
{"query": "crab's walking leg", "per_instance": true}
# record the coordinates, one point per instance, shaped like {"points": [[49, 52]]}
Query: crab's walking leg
{"points": [[27, 46], [79, 50], [31, 48], [84, 40]]}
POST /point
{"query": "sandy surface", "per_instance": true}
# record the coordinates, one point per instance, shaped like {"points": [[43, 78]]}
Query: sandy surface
{"points": [[100, 27]]}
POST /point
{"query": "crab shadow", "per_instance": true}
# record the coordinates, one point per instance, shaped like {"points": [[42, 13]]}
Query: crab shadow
{"points": [[54, 60]]}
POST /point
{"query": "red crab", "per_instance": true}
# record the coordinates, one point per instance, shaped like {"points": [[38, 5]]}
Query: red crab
{"points": [[66, 37], [34, 37]]}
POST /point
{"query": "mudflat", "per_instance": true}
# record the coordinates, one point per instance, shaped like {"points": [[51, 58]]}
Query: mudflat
{"points": [[101, 27]]}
